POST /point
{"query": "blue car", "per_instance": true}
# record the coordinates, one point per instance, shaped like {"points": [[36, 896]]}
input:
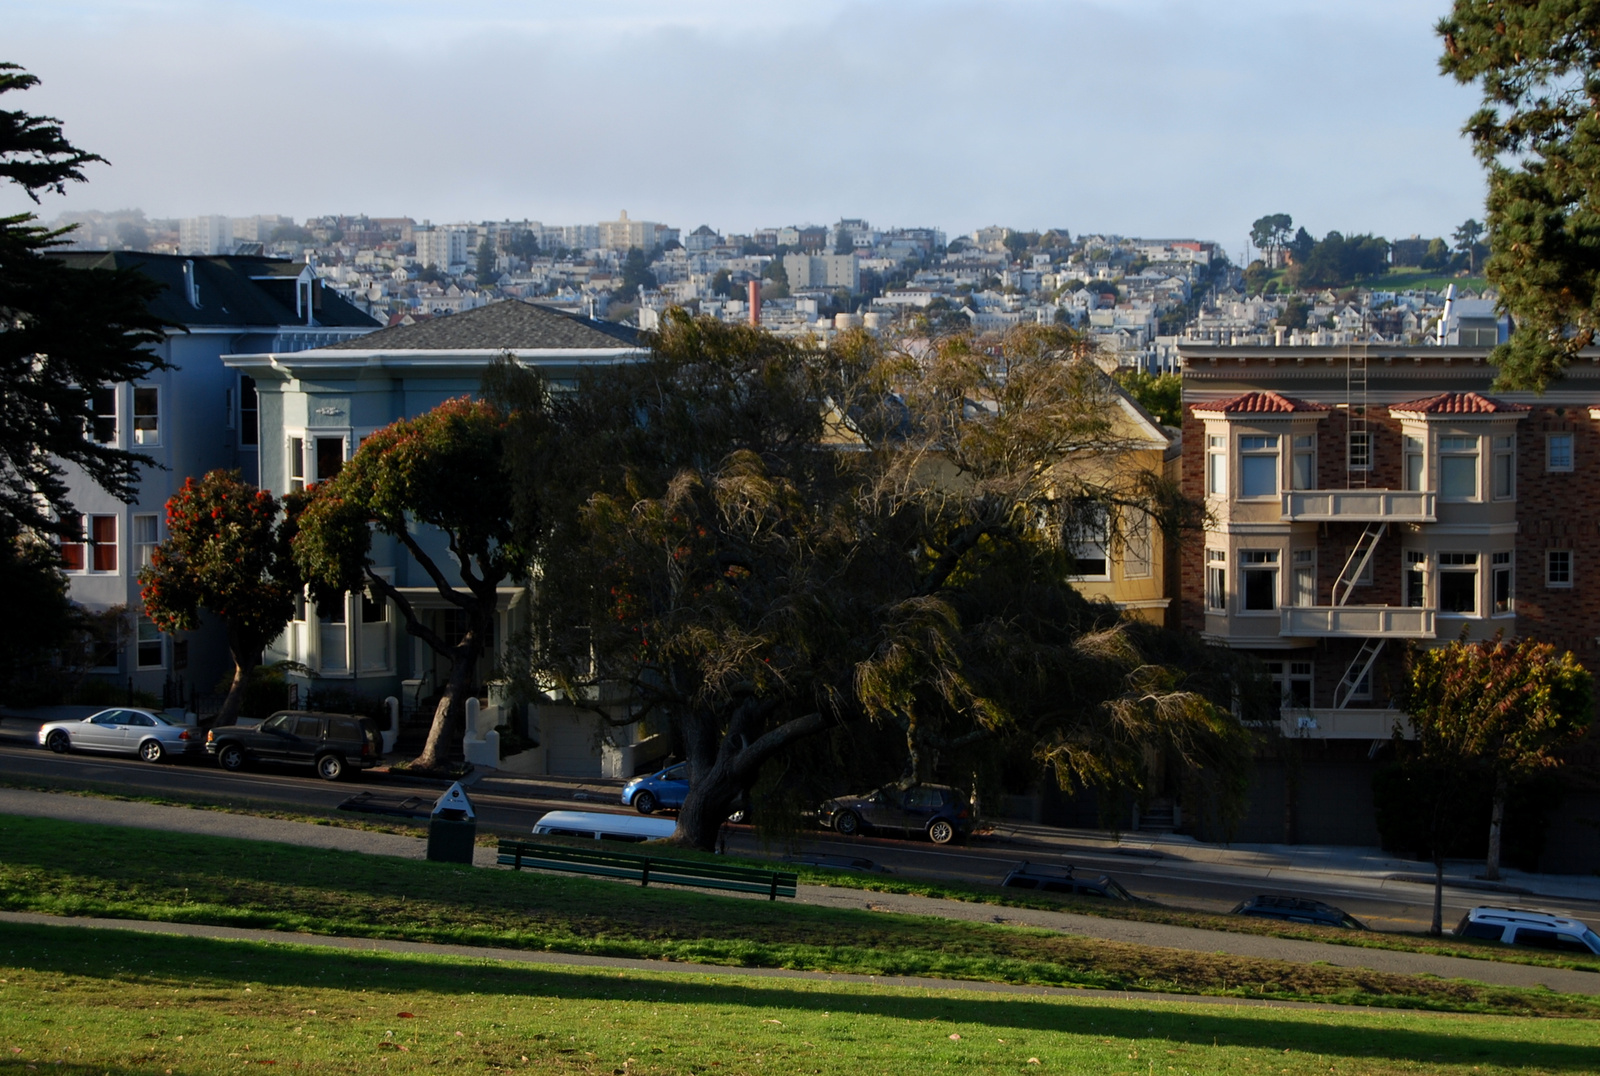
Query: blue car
{"points": [[664, 789]]}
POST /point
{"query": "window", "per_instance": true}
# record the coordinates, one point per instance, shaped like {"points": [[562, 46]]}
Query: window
{"points": [[307, 727], [1136, 548], [1414, 471], [1216, 580], [330, 457], [146, 416], [1558, 568], [72, 545], [1305, 578], [144, 540], [1458, 467], [1089, 543], [1258, 466], [151, 650], [1217, 466], [1558, 452], [1458, 583], [1303, 474], [1500, 582], [1360, 450], [297, 463], [103, 405], [1259, 573], [1504, 469], [1416, 578], [374, 632], [333, 643], [249, 412], [103, 543], [1294, 683]]}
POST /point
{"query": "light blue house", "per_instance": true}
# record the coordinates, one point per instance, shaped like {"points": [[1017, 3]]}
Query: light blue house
{"points": [[195, 417], [317, 405]]}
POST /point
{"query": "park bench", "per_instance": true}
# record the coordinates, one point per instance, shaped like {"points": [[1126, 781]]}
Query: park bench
{"points": [[647, 869]]}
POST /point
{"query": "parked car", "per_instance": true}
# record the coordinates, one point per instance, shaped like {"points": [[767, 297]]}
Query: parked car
{"points": [[602, 826], [1522, 926], [1061, 879], [1297, 910], [664, 790], [338, 745], [937, 810], [122, 731]]}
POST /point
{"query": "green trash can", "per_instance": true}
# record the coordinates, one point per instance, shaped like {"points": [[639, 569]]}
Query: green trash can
{"points": [[452, 827]]}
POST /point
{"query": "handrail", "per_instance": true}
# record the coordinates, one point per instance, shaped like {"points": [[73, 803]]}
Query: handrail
{"points": [[647, 869]]}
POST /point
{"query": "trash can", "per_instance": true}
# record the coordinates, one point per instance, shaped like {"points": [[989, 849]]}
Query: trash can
{"points": [[452, 827]]}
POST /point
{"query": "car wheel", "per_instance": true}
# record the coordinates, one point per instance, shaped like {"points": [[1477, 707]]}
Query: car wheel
{"points": [[152, 751], [846, 824], [330, 767], [644, 801], [231, 757], [736, 817], [59, 742], [940, 831]]}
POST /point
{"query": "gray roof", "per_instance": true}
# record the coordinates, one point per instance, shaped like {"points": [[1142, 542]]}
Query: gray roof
{"points": [[512, 325]]}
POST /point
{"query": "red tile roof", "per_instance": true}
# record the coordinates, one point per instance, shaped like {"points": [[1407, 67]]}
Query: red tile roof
{"points": [[1259, 403], [1458, 403]]}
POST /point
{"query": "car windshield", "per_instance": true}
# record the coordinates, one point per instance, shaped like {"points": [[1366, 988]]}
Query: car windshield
{"points": [[273, 724], [1593, 939]]}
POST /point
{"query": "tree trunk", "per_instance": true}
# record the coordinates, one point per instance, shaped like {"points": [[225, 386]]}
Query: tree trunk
{"points": [[245, 661], [447, 715], [1438, 893], [737, 762], [1497, 817]]}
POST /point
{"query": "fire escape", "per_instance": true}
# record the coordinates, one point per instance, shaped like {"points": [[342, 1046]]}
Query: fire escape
{"points": [[1358, 464]]}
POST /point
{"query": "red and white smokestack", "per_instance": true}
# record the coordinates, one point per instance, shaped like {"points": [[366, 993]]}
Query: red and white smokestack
{"points": [[755, 302]]}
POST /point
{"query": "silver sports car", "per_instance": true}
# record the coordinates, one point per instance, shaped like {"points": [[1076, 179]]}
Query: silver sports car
{"points": [[123, 731]]}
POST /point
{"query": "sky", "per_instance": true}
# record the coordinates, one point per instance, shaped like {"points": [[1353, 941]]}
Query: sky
{"points": [[1137, 117]]}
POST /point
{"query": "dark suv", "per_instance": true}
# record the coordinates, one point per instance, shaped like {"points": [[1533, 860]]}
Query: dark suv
{"points": [[336, 744], [937, 810]]}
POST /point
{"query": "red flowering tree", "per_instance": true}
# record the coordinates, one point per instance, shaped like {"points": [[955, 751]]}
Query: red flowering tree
{"points": [[226, 552], [1504, 708], [446, 471]]}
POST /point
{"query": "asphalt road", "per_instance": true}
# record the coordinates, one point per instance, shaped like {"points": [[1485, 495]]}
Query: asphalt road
{"points": [[1162, 876]]}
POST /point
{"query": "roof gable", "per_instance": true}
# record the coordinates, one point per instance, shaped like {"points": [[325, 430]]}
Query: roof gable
{"points": [[1457, 403], [511, 325], [1259, 403]]}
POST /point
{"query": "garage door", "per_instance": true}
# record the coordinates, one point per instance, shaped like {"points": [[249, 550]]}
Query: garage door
{"points": [[571, 740]]}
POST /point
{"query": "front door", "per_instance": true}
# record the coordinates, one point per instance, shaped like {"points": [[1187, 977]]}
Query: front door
{"points": [[103, 733], [307, 738], [276, 735]]}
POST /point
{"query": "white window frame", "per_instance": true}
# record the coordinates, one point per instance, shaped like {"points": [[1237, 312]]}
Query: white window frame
{"points": [[1263, 561], [294, 457], [114, 416], [1303, 448], [1450, 449], [1503, 453], [1269, 447], [1416, 464], [1216, 466], [144, 551], [138, 436], [390, 641], [1303, 566], [91, 543], [139, 641], [1091, 542], [1557, 461], [1502, 566], [1138, 547], [1362, 460], [1216, 580], [1558, 569], [1455, 562], [1416, 566]]}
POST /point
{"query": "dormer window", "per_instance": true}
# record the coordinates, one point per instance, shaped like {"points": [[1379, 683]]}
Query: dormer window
{"points": [[1258, 466]]}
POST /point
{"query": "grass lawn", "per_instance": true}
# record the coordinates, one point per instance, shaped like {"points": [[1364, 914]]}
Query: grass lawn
{"points": [[1141, 911], [84, 1001], [66, 868]]}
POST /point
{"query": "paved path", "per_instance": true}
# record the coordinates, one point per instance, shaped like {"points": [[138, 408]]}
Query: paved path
{"points": [[249, 827]]}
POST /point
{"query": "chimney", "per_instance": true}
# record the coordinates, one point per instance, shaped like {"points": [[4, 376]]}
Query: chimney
{"points": [[755, 302]]}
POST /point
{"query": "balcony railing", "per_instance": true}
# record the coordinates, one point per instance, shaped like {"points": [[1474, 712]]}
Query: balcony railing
{"points": [[1359, 506], [1345, 724], [1357, 622]]}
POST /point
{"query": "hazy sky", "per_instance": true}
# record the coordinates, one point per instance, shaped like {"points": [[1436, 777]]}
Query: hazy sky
{"points": [[1144, 117]]}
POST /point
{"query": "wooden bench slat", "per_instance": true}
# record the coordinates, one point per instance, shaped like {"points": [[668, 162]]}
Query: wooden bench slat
{"points": [[648, 869]]}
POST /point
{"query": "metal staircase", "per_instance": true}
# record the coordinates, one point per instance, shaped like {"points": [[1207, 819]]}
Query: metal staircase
{"points": [[1357, 672], [1355, 386], [1356, 565]]}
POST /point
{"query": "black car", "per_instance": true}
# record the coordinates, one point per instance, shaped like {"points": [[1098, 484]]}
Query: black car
{"points": [[336, 744], [1053, 879], [937, 810], [1298, 910]]}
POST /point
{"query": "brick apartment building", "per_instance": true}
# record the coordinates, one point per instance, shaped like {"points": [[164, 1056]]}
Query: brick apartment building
{"points": [[1364, 498]]}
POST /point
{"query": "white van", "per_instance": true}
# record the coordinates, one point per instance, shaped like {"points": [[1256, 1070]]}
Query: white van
{"points": [[599, 826], [1521, 926]]}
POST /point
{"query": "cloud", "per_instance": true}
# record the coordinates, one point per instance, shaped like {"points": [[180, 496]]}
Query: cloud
{"points": [[1143, 117]]}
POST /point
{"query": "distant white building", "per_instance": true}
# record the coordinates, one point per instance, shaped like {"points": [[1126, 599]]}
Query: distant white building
{"points": [[205, 235], [823, 271], [445, 246], [625, 234]]}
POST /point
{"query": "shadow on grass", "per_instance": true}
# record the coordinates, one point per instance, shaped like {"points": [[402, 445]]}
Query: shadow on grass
{"points": [[209, 963]]}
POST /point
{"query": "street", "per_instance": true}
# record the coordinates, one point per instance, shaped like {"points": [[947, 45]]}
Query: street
{"points": [[1167, 875]]}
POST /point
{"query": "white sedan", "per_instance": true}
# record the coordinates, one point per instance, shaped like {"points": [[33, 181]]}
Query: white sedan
{"points": [[123, 731]]}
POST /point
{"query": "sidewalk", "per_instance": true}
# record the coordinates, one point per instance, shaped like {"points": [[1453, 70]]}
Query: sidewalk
{"points": [[1189, 939]]}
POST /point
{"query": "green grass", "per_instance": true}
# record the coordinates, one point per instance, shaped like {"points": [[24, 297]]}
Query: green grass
{"points": [[1141, 911], [1418, 279], [74, 869], [82, 1001]]}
